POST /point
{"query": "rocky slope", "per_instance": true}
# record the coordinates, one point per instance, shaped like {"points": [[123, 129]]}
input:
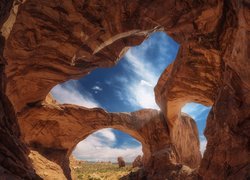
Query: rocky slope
{"points": [[48, 42]]}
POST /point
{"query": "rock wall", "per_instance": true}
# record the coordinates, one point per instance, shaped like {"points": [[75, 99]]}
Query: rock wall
{"points": [[53, 41], [54, 130], [228, 124], [14, 163], [45, 168], [213, 70]]}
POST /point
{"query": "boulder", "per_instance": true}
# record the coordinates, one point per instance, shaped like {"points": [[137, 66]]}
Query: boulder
{"points": [[121, 162], [137, 162]]}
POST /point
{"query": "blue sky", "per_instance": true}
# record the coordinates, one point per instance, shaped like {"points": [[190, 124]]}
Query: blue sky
{"points": [[126, 87]]}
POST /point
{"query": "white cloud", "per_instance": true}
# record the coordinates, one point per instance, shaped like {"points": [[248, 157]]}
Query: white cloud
{"points": [[140, 67], [140, 90], [194, 109], [203, 144], [143, 95], [99, 147], [146, 83], [69, 93], [121, 79], [97, 88], [106, 133]]}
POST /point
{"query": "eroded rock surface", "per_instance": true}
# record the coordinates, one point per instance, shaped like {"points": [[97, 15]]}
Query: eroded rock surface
{"points": [[137, 162], [45, 168], [214, 71], [54, 130], [52, 41], [14, 163], [228, 124]]}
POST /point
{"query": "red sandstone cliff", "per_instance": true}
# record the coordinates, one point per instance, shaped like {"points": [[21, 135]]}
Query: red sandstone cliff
{"points": [[54, 41], [54, 130]]}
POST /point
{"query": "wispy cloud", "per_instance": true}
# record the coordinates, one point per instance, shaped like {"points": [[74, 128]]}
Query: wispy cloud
{"points": [[70, 93], [97, 88], [106, 134], [141, 94], [139, 89], [100, 146], [144, 65], [203, 144], [140, 67], [195, 110], [132, 84]]}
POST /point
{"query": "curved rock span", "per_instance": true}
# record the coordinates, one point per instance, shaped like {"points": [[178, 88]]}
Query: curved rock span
{"points": [[54, 130], [55, 41], [48, 42]]}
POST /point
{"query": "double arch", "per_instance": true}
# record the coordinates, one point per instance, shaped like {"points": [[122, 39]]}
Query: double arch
{"points": [[57, 129], [71, 38]]}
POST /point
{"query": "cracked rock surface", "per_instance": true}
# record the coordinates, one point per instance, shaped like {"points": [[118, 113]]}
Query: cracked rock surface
{"points": [[44, 43]]}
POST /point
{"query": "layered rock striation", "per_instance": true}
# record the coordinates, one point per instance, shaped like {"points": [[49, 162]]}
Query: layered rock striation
{"points": [[212, 70], [54, 130], [14, 163], [49, 42], [54, 41]]}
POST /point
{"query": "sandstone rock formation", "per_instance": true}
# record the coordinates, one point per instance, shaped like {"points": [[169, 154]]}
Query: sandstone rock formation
{"points": [[137, 162], [45, 168], [14, 163], [211, 68], [121, 162], [54, 130], [54, 41], [50, 41]]}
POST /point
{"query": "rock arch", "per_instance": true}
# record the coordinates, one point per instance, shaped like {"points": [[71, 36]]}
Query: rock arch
{"points": [[73, 38], [57, 129], [53, 41]]}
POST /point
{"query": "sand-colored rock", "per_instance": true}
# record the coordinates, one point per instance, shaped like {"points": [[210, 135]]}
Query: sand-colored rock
{"points": [[194, 76], [45, 168]]}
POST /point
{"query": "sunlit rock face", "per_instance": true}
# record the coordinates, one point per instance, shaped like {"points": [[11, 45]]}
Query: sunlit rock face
{"points": [[54, 130], [53, 41], [14, 163], [212, 70], [46, 168]]}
